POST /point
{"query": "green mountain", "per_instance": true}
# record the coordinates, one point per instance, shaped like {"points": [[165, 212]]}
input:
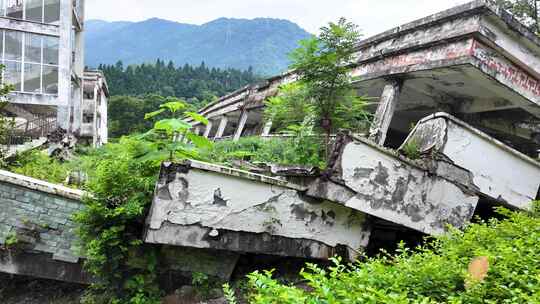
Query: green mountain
{"points": [[261, 43]]}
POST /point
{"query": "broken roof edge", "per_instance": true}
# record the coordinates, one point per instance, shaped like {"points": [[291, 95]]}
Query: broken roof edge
{"points": [[241, 173], [473, 7], [40, 185], [98, 74], [389, 152], [477, 132], [258, 85]]}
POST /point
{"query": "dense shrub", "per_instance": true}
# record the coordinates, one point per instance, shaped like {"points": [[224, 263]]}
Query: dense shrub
{"points": [[111, 226], [434, 273], [288, 151], [38, 164]]}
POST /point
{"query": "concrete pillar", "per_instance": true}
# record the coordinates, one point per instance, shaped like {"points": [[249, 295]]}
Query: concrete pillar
{"points": [[197, 130], [78, 69], [64, 113], [385, 111], [95, 122], [267, 128], [241, 125], [222, 126], [208, 128]]}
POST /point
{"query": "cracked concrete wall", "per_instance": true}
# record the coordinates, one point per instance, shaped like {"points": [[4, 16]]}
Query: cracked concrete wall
{"points": [[386, 186], [212, 209], [501, 173]]}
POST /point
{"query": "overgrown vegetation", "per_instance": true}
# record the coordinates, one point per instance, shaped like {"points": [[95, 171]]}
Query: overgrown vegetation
{"points": [[127, 113], [38, 164], [324, 98], [122, 183], [297, 150], [412, 149], [525, 11], [434, 273]]}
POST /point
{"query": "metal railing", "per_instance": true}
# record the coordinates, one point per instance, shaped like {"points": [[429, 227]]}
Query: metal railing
{"points": [[28, 131]]}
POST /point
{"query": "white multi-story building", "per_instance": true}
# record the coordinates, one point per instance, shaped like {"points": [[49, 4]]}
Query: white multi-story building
{"points": [[42, 48], [94, 126]]}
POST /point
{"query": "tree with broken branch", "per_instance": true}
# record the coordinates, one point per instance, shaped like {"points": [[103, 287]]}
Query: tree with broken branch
{"points": [[323, 65]]}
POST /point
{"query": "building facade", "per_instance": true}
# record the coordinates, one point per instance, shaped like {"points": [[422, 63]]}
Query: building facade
{"points": [[42, 49], [94, 128]]}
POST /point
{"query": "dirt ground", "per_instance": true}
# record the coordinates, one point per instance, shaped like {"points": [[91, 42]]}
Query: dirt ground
{"points": [[22, 290]]}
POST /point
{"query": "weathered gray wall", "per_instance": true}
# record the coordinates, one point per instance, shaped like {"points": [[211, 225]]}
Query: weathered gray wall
{"points": [[39, 216]]}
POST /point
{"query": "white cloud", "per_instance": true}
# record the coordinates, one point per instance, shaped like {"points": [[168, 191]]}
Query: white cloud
{"points": [[373, 16]]}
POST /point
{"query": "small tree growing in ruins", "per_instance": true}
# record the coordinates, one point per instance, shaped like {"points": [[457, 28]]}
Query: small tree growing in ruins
{"points": [[322, 64]]}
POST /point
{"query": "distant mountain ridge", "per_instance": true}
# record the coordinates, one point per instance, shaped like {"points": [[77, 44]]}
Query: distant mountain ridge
{"points": [[261, 43]]}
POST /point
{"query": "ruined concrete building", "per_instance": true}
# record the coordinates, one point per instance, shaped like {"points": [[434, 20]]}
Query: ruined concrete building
{"points": [[467, 78], [43, 51], [475, 62], [94, 127]]}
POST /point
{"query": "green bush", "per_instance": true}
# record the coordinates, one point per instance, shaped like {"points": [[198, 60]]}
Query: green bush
{"points": [[111, 226], [39, 165], [434, 273], [287, 151]]}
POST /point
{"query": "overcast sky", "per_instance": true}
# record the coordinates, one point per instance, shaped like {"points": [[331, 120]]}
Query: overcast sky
{"points": [[372, 16]]}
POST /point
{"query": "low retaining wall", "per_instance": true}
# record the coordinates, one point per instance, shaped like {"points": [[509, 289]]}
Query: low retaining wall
{"points": [[36, 219]]}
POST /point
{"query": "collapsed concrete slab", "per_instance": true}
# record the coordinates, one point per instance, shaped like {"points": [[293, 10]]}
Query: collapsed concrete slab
{"points": [[200, 205], [381, 183], [501, 173]]}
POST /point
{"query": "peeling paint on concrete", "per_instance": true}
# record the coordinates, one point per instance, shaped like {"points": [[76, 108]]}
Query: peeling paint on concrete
{"points": [[255, 218], [500, 172], [390, 188]]}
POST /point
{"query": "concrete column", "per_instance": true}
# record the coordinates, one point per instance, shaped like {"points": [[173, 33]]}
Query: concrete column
{"points": [[385, 111], [197, 130], [208, 128], [267, 128], [95, 122], [64, 113], [241, 125], [222, 126]]}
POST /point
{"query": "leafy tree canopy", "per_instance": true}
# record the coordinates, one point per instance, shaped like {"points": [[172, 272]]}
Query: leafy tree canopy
{"points": [[524, 10]]}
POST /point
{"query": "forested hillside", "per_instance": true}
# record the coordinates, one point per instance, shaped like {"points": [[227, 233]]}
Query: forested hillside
{"points": [[187, 82], [139, 89], [261, 43]]}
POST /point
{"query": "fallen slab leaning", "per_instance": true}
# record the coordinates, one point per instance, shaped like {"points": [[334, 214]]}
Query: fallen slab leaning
{"points": [[500, 172], [200, 205], [426, 197]]}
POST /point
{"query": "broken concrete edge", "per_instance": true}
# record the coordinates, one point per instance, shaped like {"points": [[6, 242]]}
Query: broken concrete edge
{"points": [[40, 185], [431, 166], [243, 242], [482, 6], [43, 265], [239, 173], [475, 131], [253, 87], [390, 152]]}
